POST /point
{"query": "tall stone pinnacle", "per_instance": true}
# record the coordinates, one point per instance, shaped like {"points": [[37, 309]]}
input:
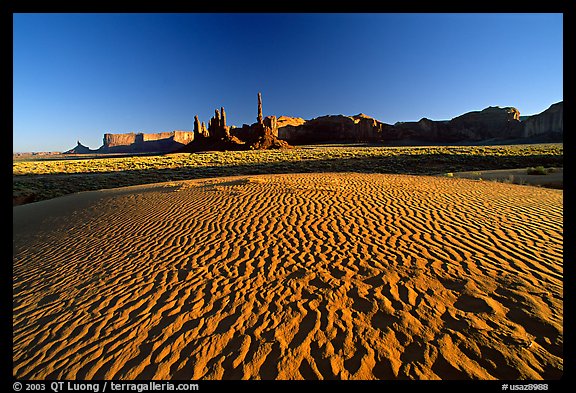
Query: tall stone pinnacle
{"points": [[223, 117], [197, 128], [259, 118], [204, 130]]}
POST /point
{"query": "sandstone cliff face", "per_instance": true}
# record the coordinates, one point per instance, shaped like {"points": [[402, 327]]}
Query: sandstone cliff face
{"points": [[490, 123], [112, 140], [271, 132], [284, 121], [551, 121], [424, 130], [359, 128], [140, 142]]}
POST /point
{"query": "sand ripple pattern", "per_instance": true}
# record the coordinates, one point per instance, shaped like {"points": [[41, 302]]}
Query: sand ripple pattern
{"points": [[300, 276]]}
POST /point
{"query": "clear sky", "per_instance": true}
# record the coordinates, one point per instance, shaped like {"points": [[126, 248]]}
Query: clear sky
{"points": [[77, 76]]}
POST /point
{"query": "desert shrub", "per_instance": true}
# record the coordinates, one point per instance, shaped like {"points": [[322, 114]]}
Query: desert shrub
{"points": [[539, 170]]}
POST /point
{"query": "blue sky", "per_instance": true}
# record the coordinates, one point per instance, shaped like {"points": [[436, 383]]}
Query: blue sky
{"points": [[77, 76]]}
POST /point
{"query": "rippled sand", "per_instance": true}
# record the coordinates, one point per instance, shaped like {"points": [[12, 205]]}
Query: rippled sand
{"points": [[334, 276]]}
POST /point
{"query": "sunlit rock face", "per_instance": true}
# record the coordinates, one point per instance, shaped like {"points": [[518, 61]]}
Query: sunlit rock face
{"points": [[359, 128], [141, 142]]}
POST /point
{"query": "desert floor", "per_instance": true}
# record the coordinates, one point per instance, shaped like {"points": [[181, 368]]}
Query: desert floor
{"points": [[554, 179], [334, 276]]}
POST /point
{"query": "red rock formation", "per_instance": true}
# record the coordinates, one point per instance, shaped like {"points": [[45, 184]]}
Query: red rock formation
{"points": [[196, 127], [137, 143], [266, 135], [259, 117], [223, 119], [490, 123], [217, 126], [260, 135], [200, 130], [284, 121], [214, 122], [111, 140], [424, 130], [549, 122], [360, 128], [80, 149]]}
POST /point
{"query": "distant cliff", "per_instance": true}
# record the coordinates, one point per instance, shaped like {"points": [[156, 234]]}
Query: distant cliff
{"points": [[140, 142], [359, 128], [548, 123], [80, 149], [492, 123]]}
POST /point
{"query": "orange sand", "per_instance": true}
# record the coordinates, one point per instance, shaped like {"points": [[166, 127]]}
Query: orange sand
{"points": [[346, 276]]}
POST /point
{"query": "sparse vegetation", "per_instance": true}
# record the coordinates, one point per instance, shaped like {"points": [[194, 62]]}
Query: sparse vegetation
{"points": [[49, 178], [539, 170]]}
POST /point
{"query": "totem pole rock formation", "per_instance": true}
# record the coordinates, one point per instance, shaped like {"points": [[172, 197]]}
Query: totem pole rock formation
{"points": [[261, 135], [259, 118]]}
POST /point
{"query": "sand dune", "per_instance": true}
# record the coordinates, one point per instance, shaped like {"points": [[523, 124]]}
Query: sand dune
{"points": [[333, 276]]}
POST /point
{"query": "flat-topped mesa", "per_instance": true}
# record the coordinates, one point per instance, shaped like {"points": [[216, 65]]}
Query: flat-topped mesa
{"points": [[144, 142]]}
